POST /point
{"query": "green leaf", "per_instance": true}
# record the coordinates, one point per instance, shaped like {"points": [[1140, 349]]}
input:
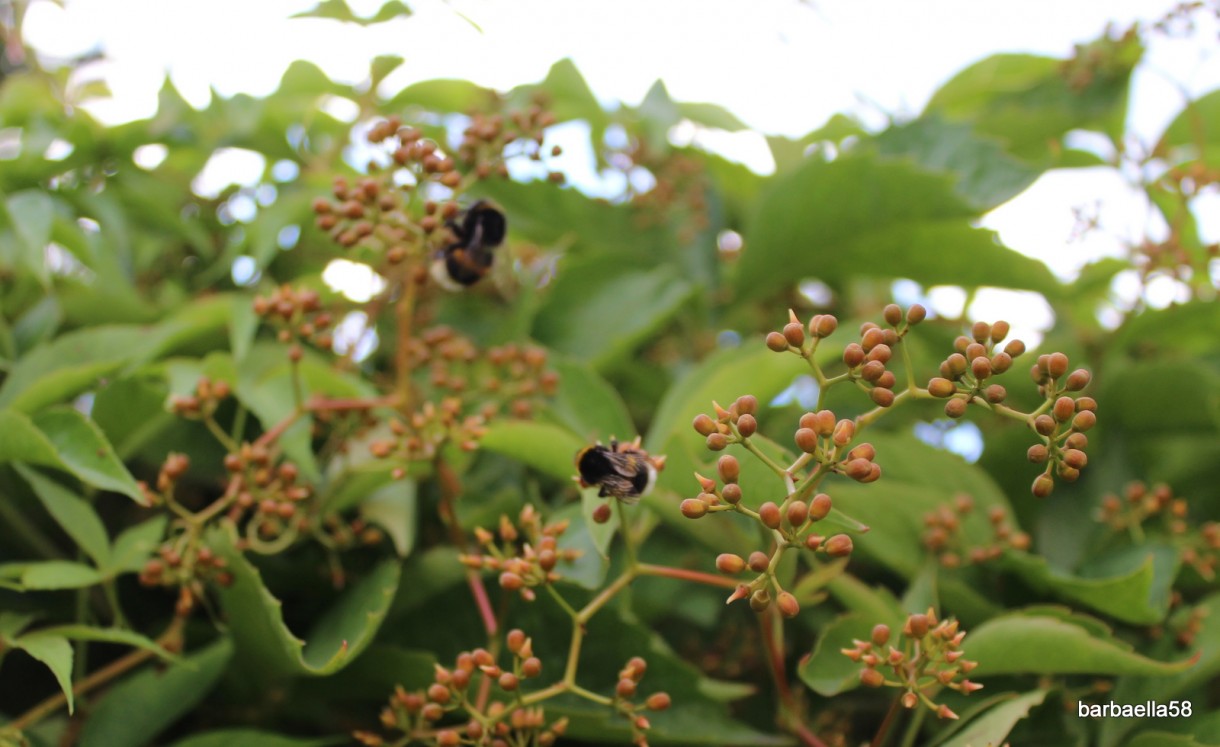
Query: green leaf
{"points": [[85, 452], [338, 10], [50, 574], [587, 404], [986, 176], [268, 649], [582, 315], [70, 364], [1139, 688], [56, 653], [31, 213], [547, 448], [1134, 587], [441, 96], [107, 635], [994, 724], [1195, 131], [1027, 102], [1059, 644], [254, 738], [75, 514], [862, 214], [393, 508], [140, 707], [827, 671], [135, 545]]}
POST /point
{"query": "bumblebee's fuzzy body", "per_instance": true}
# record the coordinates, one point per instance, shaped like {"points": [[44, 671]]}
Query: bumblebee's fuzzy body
{"points": [[623, 471], [469, 258]]}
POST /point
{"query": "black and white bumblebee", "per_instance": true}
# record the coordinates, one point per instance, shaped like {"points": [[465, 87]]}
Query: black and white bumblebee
{"points": [[469, 257], [622, 470]]}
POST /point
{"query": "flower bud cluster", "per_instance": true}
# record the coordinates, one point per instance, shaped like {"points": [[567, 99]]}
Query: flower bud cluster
{"points": [[1140, 505], [185, 565], [944, 537], [501, 723], [626, 689], [298, 315], [488, 139], [928, 656], [265, 491], [525, 554], [1062, 428], [967, 375], [203, 403]]}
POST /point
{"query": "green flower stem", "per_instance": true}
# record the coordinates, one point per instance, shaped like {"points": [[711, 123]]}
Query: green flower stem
{"points": [[625, 531], [560, 600], [750, 447], [225, 440]]}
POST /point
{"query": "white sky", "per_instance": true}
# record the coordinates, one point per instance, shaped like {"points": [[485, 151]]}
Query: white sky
{"points": [[782, 66]]}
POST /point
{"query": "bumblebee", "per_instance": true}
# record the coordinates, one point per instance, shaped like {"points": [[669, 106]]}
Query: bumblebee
{"points": [[622, 470], [469, 258]]}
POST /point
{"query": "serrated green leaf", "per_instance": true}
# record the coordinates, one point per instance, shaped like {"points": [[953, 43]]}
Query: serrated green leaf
{"points": [[73, 513], [393, 508], [269, 649], [1058, 645], [143, 705]]}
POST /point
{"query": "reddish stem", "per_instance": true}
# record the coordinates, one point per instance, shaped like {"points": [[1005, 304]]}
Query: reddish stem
{"points": [[789, 707], [687, 575], [482, 602]]}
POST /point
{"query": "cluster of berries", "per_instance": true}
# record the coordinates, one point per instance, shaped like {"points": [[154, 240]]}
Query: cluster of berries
{"points": [[297, 315], [525, 555], [943, 534]]}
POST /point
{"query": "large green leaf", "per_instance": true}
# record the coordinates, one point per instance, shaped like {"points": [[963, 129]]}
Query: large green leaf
{"points": [[82, 450], [995, 723], [42, 575], [268, 649], [70, 364], [1048, 641], [547, 448], [1027, 101], [1195, 132], [599, 310], [140, 707], [56, 653], [866, 215], [73, 513], [587, 404], [827, 671]]}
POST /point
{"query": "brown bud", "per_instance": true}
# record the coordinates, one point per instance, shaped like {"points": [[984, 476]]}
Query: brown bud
{"points": [[1037, 453], [704, 425], [939, 387], [1042, 487], [806, 440], [1056, 365], [844, 432], [839, 546], [881, 634], [769, 514], [729, 468], [916, 626], [794, 334], [916, 314], [717, 442], [871, 678], [1063, 410], [602, 513], [787, 604], [730, 564], [760, 600], [731, 493], [1044, 424], [853, 355], [657, 702], [819, 507], [1084, 420], [747, 404], [746, 425], [693, 508], [531, 667], [798, 512], [759, 561], [777, 342]]}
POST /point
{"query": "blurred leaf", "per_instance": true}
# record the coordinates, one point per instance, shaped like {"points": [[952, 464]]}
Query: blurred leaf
{"points": [[30, 213], [338, 10], [1139, 688], [56, 653], [994, 724], [986, 176], [73, 513], [711, 115], [1166, 739], [85, 452], [587, 404], [547, 448], [50, 574], [143, 705], [254, 738], [268, 649], [1194, 131], [1026, 100], [135, 545], [866, 215], [393, 508], [567, 95], [1139, 403], [69, 365], [107, 635], [1063, 644], [455, 96]]}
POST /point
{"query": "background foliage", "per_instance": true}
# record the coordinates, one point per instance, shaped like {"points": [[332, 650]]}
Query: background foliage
{"points": [[120, 286]]}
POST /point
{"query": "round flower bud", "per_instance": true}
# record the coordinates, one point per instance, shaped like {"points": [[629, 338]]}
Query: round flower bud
{"points": [[768, 513], [1075, 458], [693, 508], [825, 325], [1084, 420], [798, 512], [995, 394], [881, 397], [1078, 380], [1063, 410], [1001, 362], [657, 701], [956, 364], [858, 469], [787, 604], [839, 546], [729, 468], [975, 350], [916, 626], [601, 514], [730, 564], [872, 338], [813, 542], [1043, 485], [515, 640], [806, 440], [872, 371], [509, 682], [760, 600], [1086, 403], [981, 367], [871, 678], [853, 355], [759, 561], [893, 314], [731, 493], [1037, 453], [863, 451], [1076, 440], [881, 634], [1015, 348], [704, 425], [717, 441], [916, 314], [777, 342], [955, 408], [625, 688], [746, 425], [999, 331], [819, 507], [1056, 365], [942, 388], [794, 334], [531, 667], [844, 432], [511, 581], [881, 353], [980, 331], [1044, 424]]}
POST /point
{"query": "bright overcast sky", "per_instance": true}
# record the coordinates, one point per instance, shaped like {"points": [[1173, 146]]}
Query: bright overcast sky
{"points": [[783, 66]]}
